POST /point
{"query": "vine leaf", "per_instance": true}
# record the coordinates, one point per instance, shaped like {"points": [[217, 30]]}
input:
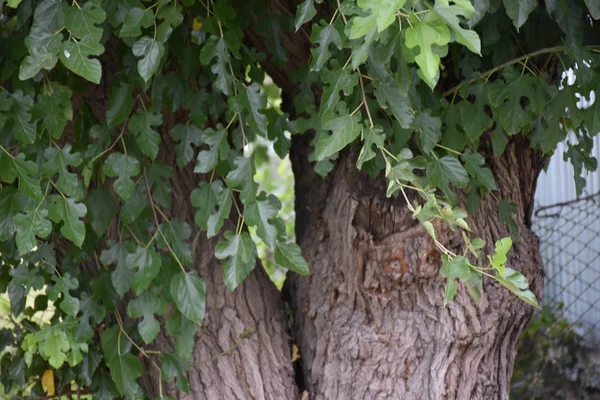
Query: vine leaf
{"points": [[151, 51], [135, 19], [324, 37], [383, 14], [173, 366], [505, 209], [69, 212], [425, 34], [124, 367], [23, 128], [224, 200], [184, 331], [81, 21], [446, 170], [253, 100], [243, 177], [262, 213], [54, 109], [187, 136], [473, 165], [305, 12], [219, 148], [391, 96], [54, 346], [216, 48], [204, 198], [62, 285], [58, 162], [519, 10], [147, 138], [371, 136], [288, 255], [123, 167], [75, 56], [177, 234], [146, 305], [454, 268], [120, 104], [594, 8], [336, 80], [189, 293], [146, 263], [30, 225], [429, 130], [240, 253], [449, 14], [345, 129], [122, 276], [11, 203], [15, 167]]}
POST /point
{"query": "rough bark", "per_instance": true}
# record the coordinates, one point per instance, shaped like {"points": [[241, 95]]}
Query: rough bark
{"points": [[370, 321]]}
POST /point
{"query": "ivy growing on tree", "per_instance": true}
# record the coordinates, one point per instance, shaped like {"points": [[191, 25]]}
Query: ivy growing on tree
{"points": [[128, 137]]}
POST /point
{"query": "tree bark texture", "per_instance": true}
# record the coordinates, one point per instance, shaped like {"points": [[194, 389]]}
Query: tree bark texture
{"points": [[369, 319]]}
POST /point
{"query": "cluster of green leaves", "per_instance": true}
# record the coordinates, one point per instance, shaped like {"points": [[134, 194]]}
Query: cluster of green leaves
{"points": [[86, 196]]}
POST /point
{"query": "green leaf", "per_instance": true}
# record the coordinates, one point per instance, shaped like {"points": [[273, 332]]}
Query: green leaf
{"points": [[305, 12], [262, 213], [146, 263], [243, 177], [594, 8], [383, 14], [505, 209], [120, 104], [90, 309], [288, 255], [467, 37], [324, 37], [216, 48], [62, 285], [152, 52], [254, 101], [102, 208], [124, 167], [54, 347], [122, 276], [184, 331], [69, 212], [474, 118], [81, 21], [425, 34], [11, 203], [124, 367], [224, 200], [345, 129], [15, 167], [336, 80], [146, 305], [446, 170], [59, 162], [429, 130], [240, 252], [506, 101], [360, 52], [147, 138], [37, 60], [499, 258], [55, 109], [393, 98], [187, 136], [204, 198], [519, 10], [473, 165], [518, 284], [449, 291], [173, 366], [219, 149], [75, 56], [30, 225], [23, 128], [135, 19], [189, 293], [177, 234], [456, 267], [371, 136]]}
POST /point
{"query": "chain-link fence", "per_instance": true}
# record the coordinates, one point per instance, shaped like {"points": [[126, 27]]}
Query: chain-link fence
{"points": [[570, 247]]}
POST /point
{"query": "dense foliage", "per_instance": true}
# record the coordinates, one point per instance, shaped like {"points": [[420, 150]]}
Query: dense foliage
{"points": [[88, 178]]}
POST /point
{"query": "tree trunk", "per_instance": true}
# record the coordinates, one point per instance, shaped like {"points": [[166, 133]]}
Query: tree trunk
{"points": [[369, 319]]}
